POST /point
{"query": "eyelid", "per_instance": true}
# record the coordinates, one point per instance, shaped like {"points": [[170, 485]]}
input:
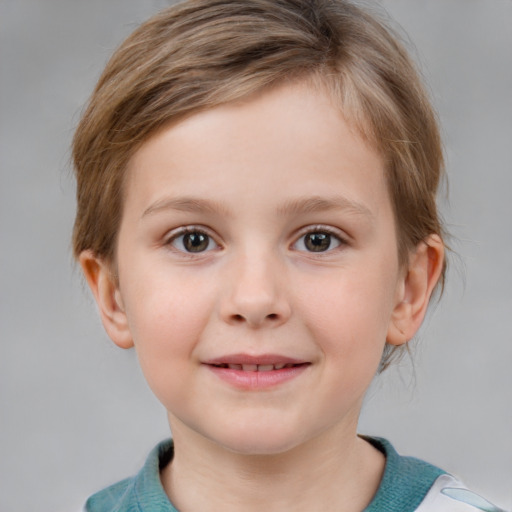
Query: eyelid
{"points": [[325, 228], [189, 228], [174, 234], [340, 235]]}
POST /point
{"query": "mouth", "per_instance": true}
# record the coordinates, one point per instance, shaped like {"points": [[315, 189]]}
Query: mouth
{"points": [[256, 363], [256, 372], [258, 367]]}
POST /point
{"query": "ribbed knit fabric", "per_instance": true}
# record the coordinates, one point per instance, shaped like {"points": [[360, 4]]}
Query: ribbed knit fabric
{"points": [[142, 493], [405, 483]]}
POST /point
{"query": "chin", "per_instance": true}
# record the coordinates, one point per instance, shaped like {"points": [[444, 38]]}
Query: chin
{"points": [[260, 447], [258, 440]]}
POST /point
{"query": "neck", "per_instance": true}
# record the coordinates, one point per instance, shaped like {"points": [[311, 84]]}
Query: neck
{"points": [[336, 471]]}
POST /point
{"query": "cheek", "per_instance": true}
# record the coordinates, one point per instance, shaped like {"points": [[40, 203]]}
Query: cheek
{"points": [[164, 305], [349, 313], [166, 317]]}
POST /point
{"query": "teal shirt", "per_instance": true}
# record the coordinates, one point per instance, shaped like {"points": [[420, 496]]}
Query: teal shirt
{"points": [[405, 483]]}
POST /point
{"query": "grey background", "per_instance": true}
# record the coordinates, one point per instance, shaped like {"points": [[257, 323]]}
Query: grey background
{"points": [[75, 413]]}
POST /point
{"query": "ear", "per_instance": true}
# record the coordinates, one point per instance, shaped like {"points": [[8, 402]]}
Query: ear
{"points": [[419, 279], [105, 289]]}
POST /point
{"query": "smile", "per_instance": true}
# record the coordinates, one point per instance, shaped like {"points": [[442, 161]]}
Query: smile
{"points": [[256, 372], [256, 367]]}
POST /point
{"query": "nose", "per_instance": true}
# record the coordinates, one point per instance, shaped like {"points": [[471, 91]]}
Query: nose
{"points": [[256, 295]]}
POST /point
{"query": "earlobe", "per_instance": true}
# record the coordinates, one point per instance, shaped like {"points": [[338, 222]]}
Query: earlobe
{"points": [[108, 298], [420, 278]]}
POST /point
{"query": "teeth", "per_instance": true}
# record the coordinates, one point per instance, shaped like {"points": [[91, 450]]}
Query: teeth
{"points": [[257, 367]]}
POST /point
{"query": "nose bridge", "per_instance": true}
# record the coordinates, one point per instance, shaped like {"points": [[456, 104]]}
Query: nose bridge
{"points": [[256, 294]]}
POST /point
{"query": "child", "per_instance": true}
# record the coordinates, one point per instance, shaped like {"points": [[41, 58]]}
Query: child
{"points": [[257, 217]]}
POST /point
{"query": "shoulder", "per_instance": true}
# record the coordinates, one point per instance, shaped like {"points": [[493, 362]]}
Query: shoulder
{"points": [[413, 485], [109, 498], [142, 492], [405, 482], [448, 494]]}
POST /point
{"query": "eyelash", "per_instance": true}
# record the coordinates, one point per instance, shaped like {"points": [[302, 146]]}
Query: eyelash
{"points": [[190, 230], [201, 231], [323, 230]]}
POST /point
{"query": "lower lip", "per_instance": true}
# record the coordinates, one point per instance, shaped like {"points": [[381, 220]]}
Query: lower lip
{"points": [[257, 380]]}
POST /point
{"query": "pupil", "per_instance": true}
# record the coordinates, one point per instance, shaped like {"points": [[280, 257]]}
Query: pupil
{"points": [[318, 242], [195, 242]]}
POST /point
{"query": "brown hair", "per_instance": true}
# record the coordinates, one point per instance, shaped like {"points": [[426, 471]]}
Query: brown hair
{"points": [[202, 53]]}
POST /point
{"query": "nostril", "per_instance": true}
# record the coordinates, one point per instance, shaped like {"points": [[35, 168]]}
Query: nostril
{"points": [[237, 318]]}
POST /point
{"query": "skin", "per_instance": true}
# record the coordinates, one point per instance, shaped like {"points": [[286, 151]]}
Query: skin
{"points": [[257, 181]]}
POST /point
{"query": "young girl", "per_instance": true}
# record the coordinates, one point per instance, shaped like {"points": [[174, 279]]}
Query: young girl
{"points": [[257, 216]]}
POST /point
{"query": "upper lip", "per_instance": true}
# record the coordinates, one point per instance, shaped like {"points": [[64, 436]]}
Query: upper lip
{"points": [[246, 359]]}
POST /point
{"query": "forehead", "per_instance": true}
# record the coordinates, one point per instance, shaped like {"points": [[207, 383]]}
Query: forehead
{"points": [[280, 143]]}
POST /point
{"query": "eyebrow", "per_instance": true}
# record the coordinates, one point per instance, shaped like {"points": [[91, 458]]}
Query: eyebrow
{"points": [[297, 206], [323, 204], [186, 204]]}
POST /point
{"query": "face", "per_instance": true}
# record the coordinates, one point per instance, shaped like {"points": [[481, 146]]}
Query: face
{"points": [[258, 270]]}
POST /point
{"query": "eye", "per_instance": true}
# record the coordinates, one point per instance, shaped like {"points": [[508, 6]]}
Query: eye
{"points": [[318, 241], [192, 241]]}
